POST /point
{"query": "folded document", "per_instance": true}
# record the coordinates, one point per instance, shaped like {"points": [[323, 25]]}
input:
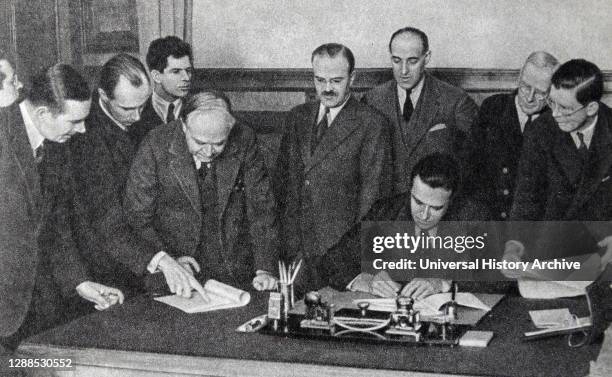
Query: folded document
{"points": [[431, 305], [220, 296]]}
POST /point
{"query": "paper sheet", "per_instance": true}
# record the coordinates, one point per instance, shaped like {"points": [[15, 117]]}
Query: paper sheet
{"points": [[431, 305], [221, 296], [552, 318], [552, 289], [590, 268]]}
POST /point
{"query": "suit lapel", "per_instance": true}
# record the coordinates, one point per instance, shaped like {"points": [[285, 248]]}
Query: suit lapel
{"points": [[343, 125], [598, 166], [566, 155], [227, 167], [182, 166], [304, 133], [121, 142], [425, 111], [512, 126], [25, 158]]}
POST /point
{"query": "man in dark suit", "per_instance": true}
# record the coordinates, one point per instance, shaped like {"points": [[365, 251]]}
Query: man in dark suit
{"points": [[428, 115], [102, 159], [200, 188], [564, 172], [333, 162], [431, 208], [38, 259], [170, 63], [497, 134]]}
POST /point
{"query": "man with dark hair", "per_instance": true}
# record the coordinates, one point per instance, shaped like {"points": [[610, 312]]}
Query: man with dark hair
{"points": [[38, 259], [430, 200], [428, 115], [103, 157], [497, 134], [170, 63], [333, 162], [564, 172], [199, 187], [9, 82]]}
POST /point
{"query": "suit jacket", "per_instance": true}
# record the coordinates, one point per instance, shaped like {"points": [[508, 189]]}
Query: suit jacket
{"points": [[162, 200], [148, 121], [496, 146], [439, 103], [102, 159], [35, 239], [322, 195], [343, 261], [552, 183], [555, 188]]}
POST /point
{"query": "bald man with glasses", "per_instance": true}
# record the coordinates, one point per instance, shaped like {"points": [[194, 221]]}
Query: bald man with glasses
{"points": [[497, 134]]}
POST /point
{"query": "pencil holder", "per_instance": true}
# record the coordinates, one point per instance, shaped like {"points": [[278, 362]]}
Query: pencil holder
{"points": [[286, 290]]}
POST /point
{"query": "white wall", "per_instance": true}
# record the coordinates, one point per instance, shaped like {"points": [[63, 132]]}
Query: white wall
{"points": [[462, 33]]}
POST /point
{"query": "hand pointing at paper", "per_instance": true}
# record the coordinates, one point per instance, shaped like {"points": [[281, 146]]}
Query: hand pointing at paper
{"points": [[180, 280]]}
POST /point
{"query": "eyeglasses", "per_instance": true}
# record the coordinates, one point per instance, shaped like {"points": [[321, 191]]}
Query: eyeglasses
{"points": [[562, 110], [537, 94]]}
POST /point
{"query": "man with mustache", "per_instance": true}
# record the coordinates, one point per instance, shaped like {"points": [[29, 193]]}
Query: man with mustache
{"points": [[170, 63], [497, 135], [333, 162], [428, 115], [199, 187]]}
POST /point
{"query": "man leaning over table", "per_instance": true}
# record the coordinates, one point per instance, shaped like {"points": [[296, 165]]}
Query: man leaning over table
{"points": [[565, 168], [102, 158], [40, 268], [198, 187]]}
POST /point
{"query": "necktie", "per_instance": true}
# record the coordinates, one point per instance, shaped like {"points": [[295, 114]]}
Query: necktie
{"points": [[583, 151], [205, 168], [527, 124], [170, 116], [320, 130], [39, 153], [408, 108]]}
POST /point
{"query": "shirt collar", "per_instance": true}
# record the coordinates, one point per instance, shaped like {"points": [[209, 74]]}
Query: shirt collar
{"points": [[333, 111], [523, 118], [432, 232], [108, 114], [160, 106], [415, 93], [587, 134], [34, 136]]}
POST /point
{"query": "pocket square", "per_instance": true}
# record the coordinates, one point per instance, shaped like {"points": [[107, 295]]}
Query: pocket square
{"points": [[605, 179], [438, 127]]}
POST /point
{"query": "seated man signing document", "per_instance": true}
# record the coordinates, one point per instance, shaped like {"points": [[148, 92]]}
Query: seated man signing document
{"points": [[431, 199], [199, 187]]}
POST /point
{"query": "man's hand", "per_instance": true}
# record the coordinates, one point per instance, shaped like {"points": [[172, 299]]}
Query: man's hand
{"points": [[381, 284], [263, 281], [420, 288], [513, 252], [189, 264], [607, 257], [179, 280], [104, 297]]}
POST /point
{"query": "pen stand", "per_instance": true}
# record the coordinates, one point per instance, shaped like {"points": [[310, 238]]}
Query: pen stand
{"points": [[286, 290]]}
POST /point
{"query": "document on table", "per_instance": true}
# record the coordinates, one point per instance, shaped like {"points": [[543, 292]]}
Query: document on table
{"points": [[544, 284], [220, 296], [431, 305]]}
